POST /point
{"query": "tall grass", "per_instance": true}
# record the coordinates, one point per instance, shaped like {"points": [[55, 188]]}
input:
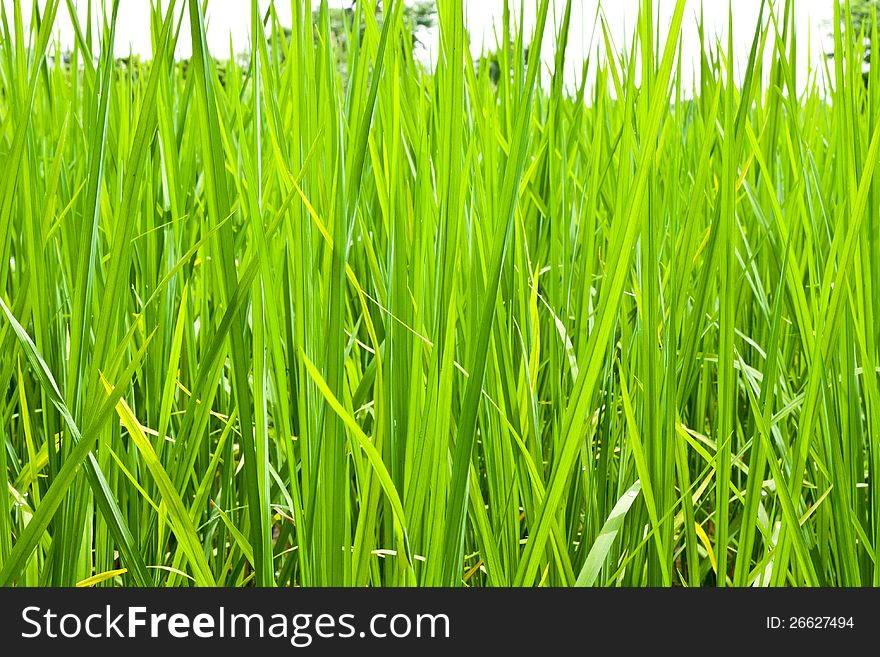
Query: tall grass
{"points": [[402, 326]]}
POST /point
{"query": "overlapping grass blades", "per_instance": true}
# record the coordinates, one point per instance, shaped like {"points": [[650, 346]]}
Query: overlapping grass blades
{"points": [[331, 316]]}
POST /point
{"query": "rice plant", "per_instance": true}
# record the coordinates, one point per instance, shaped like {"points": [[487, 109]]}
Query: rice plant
{"points": [[333, 316]]}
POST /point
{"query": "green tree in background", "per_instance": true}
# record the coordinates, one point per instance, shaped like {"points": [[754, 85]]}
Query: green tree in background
{"points": [[862, 13], [418, 15]]}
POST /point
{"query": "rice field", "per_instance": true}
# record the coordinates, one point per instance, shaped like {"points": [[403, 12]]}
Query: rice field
{"points": [[332, 317]]}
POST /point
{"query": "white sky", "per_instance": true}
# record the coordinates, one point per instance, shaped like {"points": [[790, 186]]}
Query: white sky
{"points": [[230, 20]]}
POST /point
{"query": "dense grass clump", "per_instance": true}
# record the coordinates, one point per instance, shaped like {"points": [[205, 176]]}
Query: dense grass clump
{"points": [[437, 327]]}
